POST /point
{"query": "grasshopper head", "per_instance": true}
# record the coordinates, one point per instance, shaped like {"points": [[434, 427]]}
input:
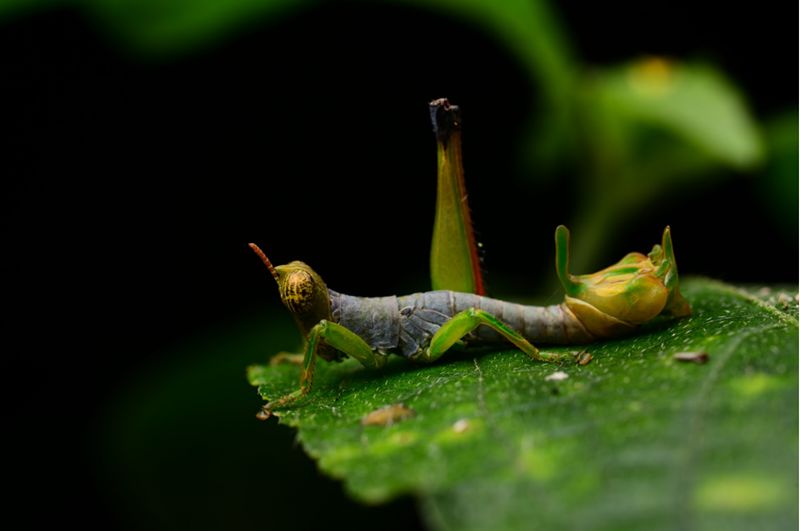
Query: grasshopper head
{"points": [[631, 292], [302, 291], [301, 288]]}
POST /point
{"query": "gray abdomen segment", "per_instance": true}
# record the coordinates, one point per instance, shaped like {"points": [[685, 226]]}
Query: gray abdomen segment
{"points": [[424, 313], [375, 319], [406, 324]]}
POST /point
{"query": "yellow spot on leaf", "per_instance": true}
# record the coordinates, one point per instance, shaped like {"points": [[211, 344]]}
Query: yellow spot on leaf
{"points": [[540, 462], [395, 442], [342, 456], [653, 76], [635, 406], [740, 493], [754, 385]]}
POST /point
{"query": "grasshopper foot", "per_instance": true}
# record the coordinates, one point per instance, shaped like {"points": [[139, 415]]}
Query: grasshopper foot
{"points": [[287, 357], [269, 407]]}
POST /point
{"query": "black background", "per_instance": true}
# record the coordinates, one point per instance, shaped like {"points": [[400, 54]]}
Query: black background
{"points": [[133, 185]]}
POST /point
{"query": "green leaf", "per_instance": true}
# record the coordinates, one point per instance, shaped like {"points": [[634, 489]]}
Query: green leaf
{"points": [[11, 8], [780, 184], [652, 127], [694, 103], [164, 27], [634, 438], [526, 26]]}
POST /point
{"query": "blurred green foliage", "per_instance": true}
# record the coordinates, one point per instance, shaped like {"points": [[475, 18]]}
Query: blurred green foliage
{"points": [[643, 128], [781, 178], [694, 103], [655, 126]]}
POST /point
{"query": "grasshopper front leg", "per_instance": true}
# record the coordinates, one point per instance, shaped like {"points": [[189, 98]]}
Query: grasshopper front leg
{"points": [[336, 336], [461, 324]]}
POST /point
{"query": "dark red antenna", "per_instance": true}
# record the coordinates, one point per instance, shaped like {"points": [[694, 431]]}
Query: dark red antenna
{"points": [[264, 259]]}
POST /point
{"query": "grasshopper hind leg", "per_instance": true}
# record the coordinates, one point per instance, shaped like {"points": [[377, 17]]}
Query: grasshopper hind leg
{"points": [[463, 323]]}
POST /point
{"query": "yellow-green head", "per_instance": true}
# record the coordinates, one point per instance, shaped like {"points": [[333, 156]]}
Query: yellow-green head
{"points": [[302, 291]]}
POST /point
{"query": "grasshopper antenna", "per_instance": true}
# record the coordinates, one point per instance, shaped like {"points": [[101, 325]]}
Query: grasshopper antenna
{"points": [[256, 249]]}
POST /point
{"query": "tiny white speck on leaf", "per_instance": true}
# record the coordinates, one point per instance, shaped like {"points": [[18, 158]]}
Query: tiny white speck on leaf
{"points": [[556, 376]]}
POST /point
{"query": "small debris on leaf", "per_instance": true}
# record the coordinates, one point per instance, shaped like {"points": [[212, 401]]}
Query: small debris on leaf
{"points": [[699, 357], [556, 376], [784, 301], [584, 357], [387, 415]]}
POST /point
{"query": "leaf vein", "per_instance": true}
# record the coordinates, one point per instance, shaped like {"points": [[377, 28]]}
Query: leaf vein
{"points": [[685, 471]]}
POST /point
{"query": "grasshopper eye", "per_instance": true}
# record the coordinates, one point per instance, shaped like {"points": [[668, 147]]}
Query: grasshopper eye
{"points": [[298, 291]]}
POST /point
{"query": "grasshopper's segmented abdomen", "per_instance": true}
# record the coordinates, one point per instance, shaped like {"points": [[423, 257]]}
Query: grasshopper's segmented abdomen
{"points": [[376, 320], [422, 314], [554, 324]]}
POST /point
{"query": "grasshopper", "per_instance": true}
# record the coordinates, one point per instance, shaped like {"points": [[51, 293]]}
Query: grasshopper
{"points": [[423, 326]]}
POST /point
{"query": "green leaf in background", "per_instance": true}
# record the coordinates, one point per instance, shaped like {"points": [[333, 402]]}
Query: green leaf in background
{"points": [[530, 31], [652, 127], [780, 179], [643, 129], [20, 7], [695, 103], [166, 27], [634, 439]]}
